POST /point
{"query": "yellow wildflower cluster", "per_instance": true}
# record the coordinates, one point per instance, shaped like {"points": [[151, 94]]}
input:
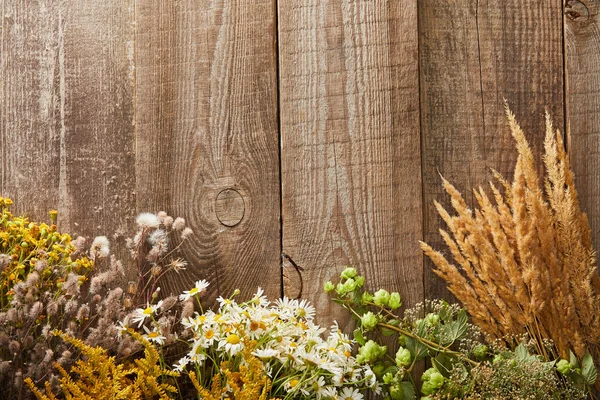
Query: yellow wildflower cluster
{"points": [[100, 377], [249, 383], [27, 246]]}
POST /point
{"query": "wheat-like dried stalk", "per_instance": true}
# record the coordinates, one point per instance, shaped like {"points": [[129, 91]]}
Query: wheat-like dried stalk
{"points": [[524, 261]]}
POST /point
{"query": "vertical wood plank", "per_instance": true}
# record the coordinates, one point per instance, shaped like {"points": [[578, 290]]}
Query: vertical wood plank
{"points": [[206, 117], [67, 111], [582, 55], [472, 55], [350, 144]]}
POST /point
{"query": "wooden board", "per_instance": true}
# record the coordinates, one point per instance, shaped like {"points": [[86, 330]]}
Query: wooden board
{"points": [[472, 55], [582, 58], [66, 106], [206, 122], [351, 191]]}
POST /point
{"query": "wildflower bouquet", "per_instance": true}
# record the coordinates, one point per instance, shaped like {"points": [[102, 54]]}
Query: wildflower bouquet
{"points": [[297, 361]]}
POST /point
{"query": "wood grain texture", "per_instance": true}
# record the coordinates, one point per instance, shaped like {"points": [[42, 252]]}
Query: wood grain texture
{"points": [[582, 39], [206, 118], [472, 55], [66, 112], [350, 144]]}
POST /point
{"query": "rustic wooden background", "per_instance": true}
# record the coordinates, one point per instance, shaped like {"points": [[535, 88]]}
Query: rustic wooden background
{"points": [[311, 127]]}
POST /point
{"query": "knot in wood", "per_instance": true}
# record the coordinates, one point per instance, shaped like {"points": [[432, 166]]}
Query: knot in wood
{"points": [[229, 207], [576, 11]]}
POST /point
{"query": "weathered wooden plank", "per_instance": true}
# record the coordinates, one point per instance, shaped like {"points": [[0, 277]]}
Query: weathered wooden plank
{"points": [[582, 55], [472, 55], [350, 144], [67, 111], [206, 117]]}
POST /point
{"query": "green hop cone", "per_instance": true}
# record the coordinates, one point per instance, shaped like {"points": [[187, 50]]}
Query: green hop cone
{"points": [[394, 301], [388, 378], [348, 273], [564, 367], [402, 340], [370, 352], [367, 297], [396, 392], [359, 281], [368, 320], [329, 287], [381, 297], [480, 351], [432, 381], [403, 358]]}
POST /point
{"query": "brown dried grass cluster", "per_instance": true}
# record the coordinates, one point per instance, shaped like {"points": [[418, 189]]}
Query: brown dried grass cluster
{"points": [[524, 263]]}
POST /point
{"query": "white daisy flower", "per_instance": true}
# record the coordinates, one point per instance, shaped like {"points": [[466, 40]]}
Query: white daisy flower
{"points": [[198, 289], [154, 336], [140, 314], [349, 393], [181, 364], [232, 344], [265, 354]]}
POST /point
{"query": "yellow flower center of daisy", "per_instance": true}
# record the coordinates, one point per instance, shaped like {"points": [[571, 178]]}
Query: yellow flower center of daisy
{"points": [[294, 383], [233, 339], [153, 335], [148, 311], [347, 353], [254, 326], [202, 319], [193, 291], [209, 334]]}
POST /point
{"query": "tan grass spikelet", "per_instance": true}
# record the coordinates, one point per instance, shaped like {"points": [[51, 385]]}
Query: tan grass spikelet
{"points": [[524, 257]]}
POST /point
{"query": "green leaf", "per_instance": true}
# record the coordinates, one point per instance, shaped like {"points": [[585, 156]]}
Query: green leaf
{"points": [[521, 352], [417, 349], [573, 359], [588, 370], [443, 364], [459, 327], [408, 391], [359, 337]]}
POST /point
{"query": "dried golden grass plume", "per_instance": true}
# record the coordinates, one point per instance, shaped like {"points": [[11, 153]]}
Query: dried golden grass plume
{"points": [[524, 261]]}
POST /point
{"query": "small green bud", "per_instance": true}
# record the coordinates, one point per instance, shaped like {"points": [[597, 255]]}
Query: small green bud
{"points": [[403, 358], [480, 351], [329, 287], [395, 301], [348, 273], [498, 358], [381, 297], [368, 320], [564, 367]]}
